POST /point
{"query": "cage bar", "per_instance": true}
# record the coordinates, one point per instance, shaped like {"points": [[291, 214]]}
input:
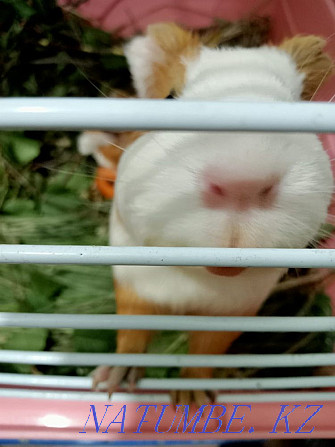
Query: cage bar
{"points": [[167, 360], [168, 322], [114, 114], [146, 114], [159, 256], [318, 396], [85, 383]]}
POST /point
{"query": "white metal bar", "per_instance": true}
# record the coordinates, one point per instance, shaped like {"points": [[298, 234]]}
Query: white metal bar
{"points": [[122, 114], [191, 256], [85, 396], [168, 322], [167, 360], [278, 397], [320, 396], [275, 383], [85, 383]]}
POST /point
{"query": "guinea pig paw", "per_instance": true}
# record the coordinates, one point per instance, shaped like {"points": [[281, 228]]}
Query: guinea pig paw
{"points": [[134, 375], [99, 375], [115, 376], [193, 397]]}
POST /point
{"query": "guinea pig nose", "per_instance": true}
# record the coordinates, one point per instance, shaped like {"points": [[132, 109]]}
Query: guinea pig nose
{"points": [[239, 194]]}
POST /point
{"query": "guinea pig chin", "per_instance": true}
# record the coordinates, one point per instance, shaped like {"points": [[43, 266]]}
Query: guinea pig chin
{"points": [[235, 241], [225, 271]]}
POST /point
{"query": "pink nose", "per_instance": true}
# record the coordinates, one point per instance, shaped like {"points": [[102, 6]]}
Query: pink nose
{"points": [[240, 194]]}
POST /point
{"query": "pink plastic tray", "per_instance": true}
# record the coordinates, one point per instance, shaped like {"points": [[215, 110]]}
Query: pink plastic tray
{"points": [[38, 419]]}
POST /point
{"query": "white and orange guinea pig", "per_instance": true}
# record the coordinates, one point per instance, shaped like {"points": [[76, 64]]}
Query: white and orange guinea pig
{"points": [[214, 189]]}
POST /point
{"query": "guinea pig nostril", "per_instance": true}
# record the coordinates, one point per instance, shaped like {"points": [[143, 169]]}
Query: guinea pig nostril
{"points": [[216, 189], [267, 194], [267, 191], [239, 194]]}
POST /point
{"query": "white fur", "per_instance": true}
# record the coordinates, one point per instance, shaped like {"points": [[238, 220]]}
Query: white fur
{"points": [[142, 52], [88, 143], [264, 72], [157, 197]]}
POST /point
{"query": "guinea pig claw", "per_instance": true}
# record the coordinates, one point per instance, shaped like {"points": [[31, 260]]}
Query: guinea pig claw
{"points": [[134, 375], [99, 374], [114, 376], [192, 397]]}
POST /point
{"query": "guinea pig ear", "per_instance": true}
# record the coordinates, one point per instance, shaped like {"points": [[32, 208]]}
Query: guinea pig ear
{"points": [[106, 147], [157, 59], [311, 59]]}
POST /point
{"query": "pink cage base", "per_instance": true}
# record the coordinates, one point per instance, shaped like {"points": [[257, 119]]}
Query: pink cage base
{"points": [[27, 419]]}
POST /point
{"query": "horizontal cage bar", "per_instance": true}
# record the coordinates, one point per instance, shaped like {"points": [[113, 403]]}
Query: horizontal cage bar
{"points": [[168, 322], [158, 256], [319, 396], [43, 113], [124, 114], [85, 383], [167, 360]]}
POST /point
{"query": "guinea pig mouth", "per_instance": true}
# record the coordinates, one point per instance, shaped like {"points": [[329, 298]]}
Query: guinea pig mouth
{"points": [[225, 271]]}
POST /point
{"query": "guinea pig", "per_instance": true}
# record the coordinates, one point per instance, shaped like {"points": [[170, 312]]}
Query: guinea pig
{"points": [[214, 189]]}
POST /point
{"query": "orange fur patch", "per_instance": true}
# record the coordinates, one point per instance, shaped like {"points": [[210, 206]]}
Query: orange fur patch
{"points": [[311, 59], [176, 44], [129, 303], [123, 140]]}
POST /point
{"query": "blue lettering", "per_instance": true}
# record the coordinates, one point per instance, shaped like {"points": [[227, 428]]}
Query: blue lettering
{"points": [[123, 411], [197, 417], [209, 417], [160, 418], [97, 425], [280, 417], [315, 412], [144, 415], [232, 418]]}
